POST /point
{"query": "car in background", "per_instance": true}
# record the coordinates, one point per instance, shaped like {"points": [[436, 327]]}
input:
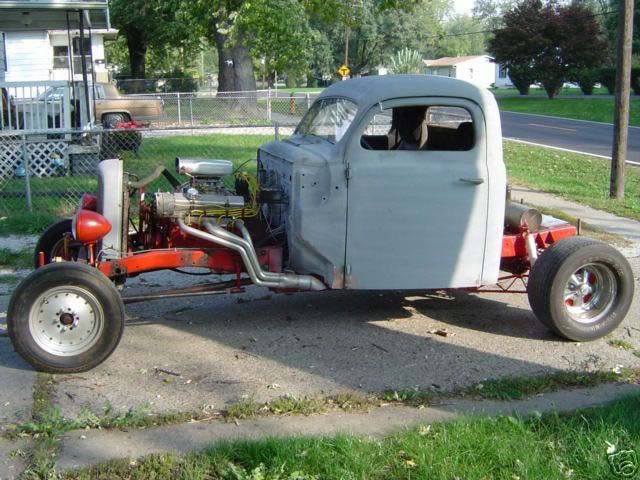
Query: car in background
{"points": [[112, 107]]}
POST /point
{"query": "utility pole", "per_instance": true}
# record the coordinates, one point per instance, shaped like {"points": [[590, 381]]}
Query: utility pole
{"points": [[621, 113], [347, 34]]}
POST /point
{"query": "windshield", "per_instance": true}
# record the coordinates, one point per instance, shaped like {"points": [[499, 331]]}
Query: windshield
{"points": [[328, 118]]}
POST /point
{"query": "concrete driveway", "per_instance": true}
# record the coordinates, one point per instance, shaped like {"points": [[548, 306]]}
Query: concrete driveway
{"points": [[193, 353]]}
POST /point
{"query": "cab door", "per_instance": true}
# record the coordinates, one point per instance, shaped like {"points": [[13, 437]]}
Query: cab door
{"points": [[417, 219]]}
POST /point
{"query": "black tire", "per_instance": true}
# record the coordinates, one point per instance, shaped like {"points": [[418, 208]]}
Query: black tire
{"points": [[581, 315], [50, 242], [56, 288], [110, 120]]}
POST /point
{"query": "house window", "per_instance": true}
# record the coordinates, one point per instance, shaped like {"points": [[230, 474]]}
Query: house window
{"points": [[502, 71], [60, 57], [77, 57]]}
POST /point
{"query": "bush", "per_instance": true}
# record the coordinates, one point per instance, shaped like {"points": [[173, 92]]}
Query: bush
{"points": [[635, 80], [607, 77], [180, 81], [586, 79]]}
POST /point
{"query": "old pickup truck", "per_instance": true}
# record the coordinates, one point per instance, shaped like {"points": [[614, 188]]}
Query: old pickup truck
{"points": [[394, 182]]}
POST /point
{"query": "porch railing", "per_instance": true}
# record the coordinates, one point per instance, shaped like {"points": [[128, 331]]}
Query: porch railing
{"points": [[36, 106]]}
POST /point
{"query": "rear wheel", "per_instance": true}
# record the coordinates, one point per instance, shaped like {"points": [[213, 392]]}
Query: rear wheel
{"points": [[581, 289], [110, 120], [65, 317]]}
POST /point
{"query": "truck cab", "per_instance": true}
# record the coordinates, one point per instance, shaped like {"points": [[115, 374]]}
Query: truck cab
{"points": [[393, 182]]}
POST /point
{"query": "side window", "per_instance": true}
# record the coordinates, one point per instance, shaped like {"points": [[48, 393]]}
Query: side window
{"points": [[420, 127], [100, 92]]}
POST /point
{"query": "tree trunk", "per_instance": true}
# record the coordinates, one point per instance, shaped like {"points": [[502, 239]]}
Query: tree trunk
{"points": [[235, 72], [137, 47], [225, 63]]}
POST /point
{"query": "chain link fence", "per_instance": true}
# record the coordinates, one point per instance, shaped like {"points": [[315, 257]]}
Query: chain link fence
{"points": [[42, 177], [168, 110], [43, 174]]}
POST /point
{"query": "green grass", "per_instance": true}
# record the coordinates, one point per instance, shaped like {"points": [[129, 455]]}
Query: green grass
{"points": [[540, 92], [623, 344], [57, 197], [581, 178], [594, 109], [550, 446], [516, 387], [13, 259]]}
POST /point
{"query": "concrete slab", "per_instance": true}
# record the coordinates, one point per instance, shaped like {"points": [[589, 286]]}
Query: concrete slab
{"points": [[12, 455], [84, 448], [16, 377]]}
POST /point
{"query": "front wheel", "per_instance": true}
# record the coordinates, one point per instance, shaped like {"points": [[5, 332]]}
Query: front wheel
{"points": [[581, 288], [51, 243], [65, 318]]}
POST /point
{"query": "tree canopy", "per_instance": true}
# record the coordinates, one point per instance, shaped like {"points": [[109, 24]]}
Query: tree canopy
{"points": [[547, 42]]}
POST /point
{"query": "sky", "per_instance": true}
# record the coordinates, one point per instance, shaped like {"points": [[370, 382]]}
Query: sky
{"points": [[463, 6]]}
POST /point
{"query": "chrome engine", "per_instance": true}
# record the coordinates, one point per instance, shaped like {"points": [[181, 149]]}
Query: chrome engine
{"points": [[205, 194]]}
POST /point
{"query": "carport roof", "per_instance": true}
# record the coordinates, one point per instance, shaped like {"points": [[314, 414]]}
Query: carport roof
{"points": [[52, 14]]}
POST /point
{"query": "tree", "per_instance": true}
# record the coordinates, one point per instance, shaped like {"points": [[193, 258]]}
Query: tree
{"points": [[516, 45], [145, 24], [406, 61], [548, 43], [280, 34], [456, 39]]}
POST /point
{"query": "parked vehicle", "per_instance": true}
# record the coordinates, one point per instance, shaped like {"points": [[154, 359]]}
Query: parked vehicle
{"points": [[113, 107], [391, 182]]}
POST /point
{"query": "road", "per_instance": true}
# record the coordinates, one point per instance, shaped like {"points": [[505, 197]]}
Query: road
{"points": [[578, 135]]}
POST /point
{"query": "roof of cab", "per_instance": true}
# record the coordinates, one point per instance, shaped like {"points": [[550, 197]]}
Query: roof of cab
{"points": [[366, 91]]}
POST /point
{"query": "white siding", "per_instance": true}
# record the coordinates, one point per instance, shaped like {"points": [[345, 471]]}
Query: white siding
{"points": [[97, 48], [480, 71], [505, 81], [29, 56]]}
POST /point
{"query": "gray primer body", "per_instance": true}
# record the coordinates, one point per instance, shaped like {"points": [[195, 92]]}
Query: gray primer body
{"points": [[402, 220]]}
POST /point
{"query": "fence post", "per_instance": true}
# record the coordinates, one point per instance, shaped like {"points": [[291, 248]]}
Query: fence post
{"points": [[191, 110], [179, 111], [308, 100], [276, 130], [269, 103], [25, 164]]}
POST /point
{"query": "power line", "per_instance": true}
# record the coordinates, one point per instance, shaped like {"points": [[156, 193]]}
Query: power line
{"points": [[494, 30]]}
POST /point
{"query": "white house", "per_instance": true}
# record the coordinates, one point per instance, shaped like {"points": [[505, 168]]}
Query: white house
{"points": [[502, 77], [478, 69], [35, 55]]}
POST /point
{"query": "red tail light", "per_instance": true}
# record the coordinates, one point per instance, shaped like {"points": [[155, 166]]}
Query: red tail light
{"points": [[89, 227], [88, 202]]}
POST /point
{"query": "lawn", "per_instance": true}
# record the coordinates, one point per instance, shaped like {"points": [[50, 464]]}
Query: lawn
{"points": [[550, 446], [581, 178], [57, 197], [594, 109], [541, 92]]}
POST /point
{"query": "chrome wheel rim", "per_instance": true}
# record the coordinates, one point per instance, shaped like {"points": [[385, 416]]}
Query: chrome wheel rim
{"points": [[66, 321], [590, 293]]}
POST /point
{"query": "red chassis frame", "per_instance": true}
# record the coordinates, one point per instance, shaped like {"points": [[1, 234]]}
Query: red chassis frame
{"points": [[159, 244]]}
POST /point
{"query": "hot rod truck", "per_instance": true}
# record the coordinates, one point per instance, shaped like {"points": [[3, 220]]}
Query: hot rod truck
{"points": [[391, 182]]}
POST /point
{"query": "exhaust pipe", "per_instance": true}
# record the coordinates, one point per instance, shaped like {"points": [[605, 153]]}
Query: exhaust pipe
{"points": [[244, 246]]}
